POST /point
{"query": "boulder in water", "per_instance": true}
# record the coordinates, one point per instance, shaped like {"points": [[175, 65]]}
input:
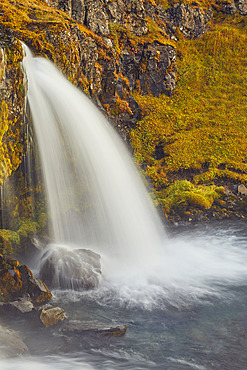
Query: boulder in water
{"points": [[69, 268], [52, 316], [75, 327]]}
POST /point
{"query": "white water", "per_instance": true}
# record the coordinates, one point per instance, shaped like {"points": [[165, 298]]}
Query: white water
{"points": [[98, 201], [192, 270], [204, 266], [95, 194]]}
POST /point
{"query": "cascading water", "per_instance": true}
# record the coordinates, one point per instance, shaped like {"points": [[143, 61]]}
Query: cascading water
{"points": [[97, 201], [96, 197], [190, 308]]}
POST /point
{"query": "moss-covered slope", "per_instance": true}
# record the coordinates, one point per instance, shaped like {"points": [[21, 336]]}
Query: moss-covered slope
{"points": [[199, 134]]}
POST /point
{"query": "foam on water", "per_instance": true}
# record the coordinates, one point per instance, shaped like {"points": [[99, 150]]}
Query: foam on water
{"points": [[45, 363], [190, 270]]}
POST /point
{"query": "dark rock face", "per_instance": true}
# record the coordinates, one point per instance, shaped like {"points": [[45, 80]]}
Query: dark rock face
{"points": [[147, 67], [130, 13], [150, 67], [192, 22], [96, 18], [11, 104], [228, 8], [156, 79], [242, 6], [70, 269], [75, 8]]}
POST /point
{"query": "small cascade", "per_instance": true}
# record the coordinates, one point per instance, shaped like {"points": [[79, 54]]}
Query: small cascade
{"points": [[96, 197]]}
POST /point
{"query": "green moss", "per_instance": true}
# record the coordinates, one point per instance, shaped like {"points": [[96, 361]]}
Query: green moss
{"points": [[28, 227], [185, 194], [8, 240], [202, 127]]}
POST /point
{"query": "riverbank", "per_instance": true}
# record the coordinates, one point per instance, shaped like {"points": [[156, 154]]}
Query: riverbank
{"points": [[231, 205]]}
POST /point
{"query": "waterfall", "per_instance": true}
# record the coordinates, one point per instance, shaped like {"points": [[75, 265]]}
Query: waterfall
{"points": [[96, 197]]}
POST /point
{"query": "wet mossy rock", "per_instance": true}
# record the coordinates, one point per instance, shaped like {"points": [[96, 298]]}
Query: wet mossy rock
{"points": [[17, 281]]}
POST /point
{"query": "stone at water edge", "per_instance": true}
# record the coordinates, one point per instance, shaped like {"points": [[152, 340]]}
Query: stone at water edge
{"points": [[77, 269], [52, 316], [45, 315], [17, 281], [38, 290], [23, 305]]}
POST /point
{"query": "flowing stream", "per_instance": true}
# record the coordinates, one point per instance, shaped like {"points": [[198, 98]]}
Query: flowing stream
{"points": [[183, 297], [191, 314]]}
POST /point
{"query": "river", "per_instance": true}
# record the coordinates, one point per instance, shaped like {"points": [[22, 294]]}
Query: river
{"points": [[190, 313]]}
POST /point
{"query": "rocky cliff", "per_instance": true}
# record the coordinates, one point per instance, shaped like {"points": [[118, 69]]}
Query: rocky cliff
{"points": [[118, 52]]}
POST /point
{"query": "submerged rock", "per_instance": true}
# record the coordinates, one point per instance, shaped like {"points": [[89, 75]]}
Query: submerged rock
{"points": [[68, 268], [75, 327]]}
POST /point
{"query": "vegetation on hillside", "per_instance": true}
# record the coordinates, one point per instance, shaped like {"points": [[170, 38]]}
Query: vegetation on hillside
{"points": [[199, 134]]}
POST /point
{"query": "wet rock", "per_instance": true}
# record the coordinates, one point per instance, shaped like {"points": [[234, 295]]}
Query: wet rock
{"points": [[75, 327], [26, 272], [44, 314], [227, 190], [24, 305], [11, 344], [38, 290], [66, 268], [17, 281], [52, 316]]}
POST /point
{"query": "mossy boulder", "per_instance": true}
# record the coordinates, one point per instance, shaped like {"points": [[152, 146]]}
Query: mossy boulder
{"points": [[17, 281]]}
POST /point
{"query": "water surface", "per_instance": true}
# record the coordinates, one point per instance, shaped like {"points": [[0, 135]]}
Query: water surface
{"points": [[187, 313]]}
